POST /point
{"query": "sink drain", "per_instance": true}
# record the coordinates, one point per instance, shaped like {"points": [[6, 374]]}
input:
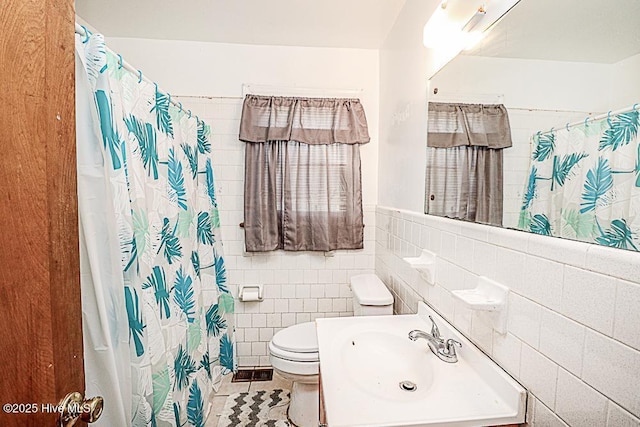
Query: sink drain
{"points": [[408, 386]]}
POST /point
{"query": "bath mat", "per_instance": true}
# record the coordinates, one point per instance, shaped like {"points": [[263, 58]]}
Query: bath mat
{"points": [[257, 408]]}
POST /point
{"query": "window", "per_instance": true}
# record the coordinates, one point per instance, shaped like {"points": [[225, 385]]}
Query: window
{"points": [[303, 190]]}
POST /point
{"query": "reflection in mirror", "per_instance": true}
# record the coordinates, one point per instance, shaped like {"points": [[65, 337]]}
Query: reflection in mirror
{"points": [[464, 165], [568, 80]]}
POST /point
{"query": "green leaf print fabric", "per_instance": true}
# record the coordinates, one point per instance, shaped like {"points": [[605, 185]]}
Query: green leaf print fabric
{"points": [[179, 309], [584, 183]]}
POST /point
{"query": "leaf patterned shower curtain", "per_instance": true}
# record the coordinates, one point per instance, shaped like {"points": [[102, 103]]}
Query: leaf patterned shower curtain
{"points": [[584, 183], [177, 306]]}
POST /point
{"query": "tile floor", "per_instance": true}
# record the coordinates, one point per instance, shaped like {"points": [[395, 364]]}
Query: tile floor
{"points": [[227, 388]]}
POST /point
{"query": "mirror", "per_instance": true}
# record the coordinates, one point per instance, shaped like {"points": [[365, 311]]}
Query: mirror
{"points": [[553, 65]]}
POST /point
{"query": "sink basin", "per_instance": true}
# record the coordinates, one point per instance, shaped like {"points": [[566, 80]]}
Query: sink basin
{"points": [[364, 361], [378, 362]]}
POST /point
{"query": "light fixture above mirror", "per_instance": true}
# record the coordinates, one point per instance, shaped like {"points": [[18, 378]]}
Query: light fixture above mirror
{"points": [[460, 24]]}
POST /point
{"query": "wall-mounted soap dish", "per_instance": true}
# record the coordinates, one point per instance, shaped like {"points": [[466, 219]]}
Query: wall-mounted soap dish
{"points": [[425, 264], [489, 296]]}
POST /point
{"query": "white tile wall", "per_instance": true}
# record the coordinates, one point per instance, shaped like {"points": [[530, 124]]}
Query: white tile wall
{"points": [[579, 404], [627, 316], [616, 416], [573, 330], [544, 417], [562, 340], [298, 287], [539, 374]]}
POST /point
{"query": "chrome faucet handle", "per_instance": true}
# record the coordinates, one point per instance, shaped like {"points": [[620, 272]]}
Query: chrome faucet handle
{"points": [[450, 346], [435, 332]]}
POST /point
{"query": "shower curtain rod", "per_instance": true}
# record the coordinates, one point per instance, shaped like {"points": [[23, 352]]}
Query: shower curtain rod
{"points": [[596, 117], [84, 32]]}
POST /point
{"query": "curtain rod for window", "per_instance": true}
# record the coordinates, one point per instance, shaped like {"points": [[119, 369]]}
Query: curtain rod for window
{"points": [[211, 97], [313, 92], [585, 122], [466, 97], [548, 110], [84, 32]]}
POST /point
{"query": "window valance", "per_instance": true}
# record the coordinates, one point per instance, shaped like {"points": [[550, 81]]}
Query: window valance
{"points": [[455, 125], [306, 120]]}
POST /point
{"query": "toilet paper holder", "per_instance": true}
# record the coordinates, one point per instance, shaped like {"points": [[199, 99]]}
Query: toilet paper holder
{"points": [[250, 293]]}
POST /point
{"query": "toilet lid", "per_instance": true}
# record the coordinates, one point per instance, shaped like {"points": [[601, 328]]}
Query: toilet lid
{"points": [[301, 338]]}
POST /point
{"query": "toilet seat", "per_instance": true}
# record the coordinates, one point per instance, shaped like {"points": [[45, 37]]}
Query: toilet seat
{"points": [[292, 355]]}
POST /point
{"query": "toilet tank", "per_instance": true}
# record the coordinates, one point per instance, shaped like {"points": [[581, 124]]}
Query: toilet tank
{"points": [[370, 296]]}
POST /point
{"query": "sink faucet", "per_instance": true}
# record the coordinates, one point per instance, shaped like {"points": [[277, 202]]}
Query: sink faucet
{"points": [[445, 350]]}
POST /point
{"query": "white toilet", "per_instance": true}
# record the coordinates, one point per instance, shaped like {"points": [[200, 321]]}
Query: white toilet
{"points": [[294, 350]]}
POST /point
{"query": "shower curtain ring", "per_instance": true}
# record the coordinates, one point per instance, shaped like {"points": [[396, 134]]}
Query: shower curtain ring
{"points": [[139, 76], [567, 126], [198, 120], [86, 34], [156, 85], [609, 118], [586, 119], [180, 105], [119, 61], [552, 129], [189, 113], [169, 95], [635, 106]]}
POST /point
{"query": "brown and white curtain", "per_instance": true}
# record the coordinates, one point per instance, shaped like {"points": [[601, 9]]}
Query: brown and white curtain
{"points": [[464, 176], [302, 173]]}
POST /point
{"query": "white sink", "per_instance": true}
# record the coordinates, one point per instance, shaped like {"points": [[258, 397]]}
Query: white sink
{"points": [[377, 362], [363, 360]]}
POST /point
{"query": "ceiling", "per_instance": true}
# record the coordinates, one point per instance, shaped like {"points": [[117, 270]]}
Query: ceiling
{"points": [[567, 30], [313, 23]]}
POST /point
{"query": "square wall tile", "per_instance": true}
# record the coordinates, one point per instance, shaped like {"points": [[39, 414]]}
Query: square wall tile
{"points": [[482, 330], [562, 340], [506, 351], [288, 319], [462, 317], [509, 268], [259, 320], [448, 246], [543, 281], [539, 374], [627, 317], [474, 231], [615, 262], [613, 369], [251, 334], [274, 320], [618, 417], [577, 403], [442, 301], [524, 319], [464, 253], [449, 275], [510, 239], [559, 250], [589, 298], [544, 417], [484, 259]]}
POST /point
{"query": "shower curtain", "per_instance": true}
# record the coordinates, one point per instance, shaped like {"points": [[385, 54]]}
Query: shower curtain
{"points": [[157, 310], [584, 183]]}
